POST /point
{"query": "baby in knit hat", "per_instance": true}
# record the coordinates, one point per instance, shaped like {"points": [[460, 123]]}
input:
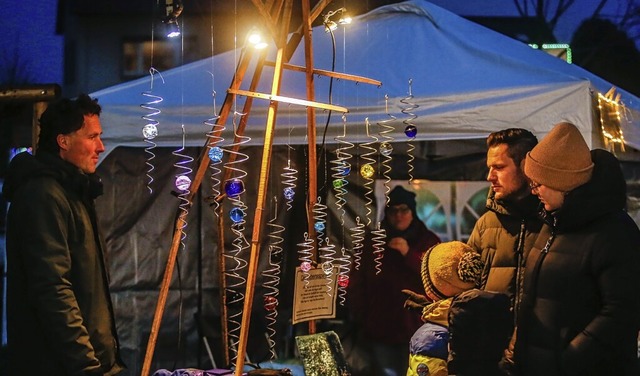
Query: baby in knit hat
{"points": [[447, 269]]}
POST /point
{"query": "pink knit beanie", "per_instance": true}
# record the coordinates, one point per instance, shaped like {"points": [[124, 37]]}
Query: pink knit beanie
{"points": [[561, 161]]}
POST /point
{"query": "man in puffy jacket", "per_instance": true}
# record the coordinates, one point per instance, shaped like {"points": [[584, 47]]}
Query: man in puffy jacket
{"points": [[506, 232], [60, 319]]}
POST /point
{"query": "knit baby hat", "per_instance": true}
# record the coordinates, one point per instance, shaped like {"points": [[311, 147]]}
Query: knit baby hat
{"points": [[449, 268], [561, 161]]}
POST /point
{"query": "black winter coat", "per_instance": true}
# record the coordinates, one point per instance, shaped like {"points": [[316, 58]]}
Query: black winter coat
{"points": [[580, 311], [59, 315]]}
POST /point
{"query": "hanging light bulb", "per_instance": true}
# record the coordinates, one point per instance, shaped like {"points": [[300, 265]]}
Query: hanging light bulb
{"points": [[345, 20], [330, 25], [255, 39]]}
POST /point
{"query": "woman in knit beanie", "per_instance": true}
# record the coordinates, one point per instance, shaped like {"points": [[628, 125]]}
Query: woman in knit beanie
{"points": [[580, 310]]}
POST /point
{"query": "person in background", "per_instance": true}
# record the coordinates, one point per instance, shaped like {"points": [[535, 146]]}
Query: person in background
{"points": [[60, 320], [505, 233], [447, 269], [375, 299], [580, 311]]}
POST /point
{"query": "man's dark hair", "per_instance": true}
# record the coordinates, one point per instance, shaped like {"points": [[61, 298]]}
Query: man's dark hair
{"points": [[63, 117], [519, 142]]}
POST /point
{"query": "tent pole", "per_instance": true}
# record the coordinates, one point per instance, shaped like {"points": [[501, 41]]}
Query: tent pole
{"points": [[311, 134], [252, 268]]}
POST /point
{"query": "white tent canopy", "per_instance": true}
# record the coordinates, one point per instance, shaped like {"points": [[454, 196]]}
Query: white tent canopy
{"points": [[466, 80]]}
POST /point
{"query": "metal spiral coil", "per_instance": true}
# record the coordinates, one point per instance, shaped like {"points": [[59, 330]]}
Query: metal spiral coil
{"points": [[183, 183], [357, 242], [289, 180], [386, 141], [341, 169], [327, 255], [370, 161], [234, 276], [237, 172], [239, 244], [271, 278], [343, 262], [320, 220], [408, 122], [150, 129], [215, 154], [305, 254], [379, 237]]}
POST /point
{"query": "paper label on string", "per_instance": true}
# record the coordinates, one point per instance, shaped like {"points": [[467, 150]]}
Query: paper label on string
{"points": [[315, 295]]}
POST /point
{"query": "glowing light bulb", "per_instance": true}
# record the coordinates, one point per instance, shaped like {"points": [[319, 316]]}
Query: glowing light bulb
{"points": [[367, 171], [216, 153], [150, 131], [183, 182]]}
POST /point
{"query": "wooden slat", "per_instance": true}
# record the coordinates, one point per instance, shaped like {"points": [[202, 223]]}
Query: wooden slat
{"points": [[280, 98], [337, 75]]}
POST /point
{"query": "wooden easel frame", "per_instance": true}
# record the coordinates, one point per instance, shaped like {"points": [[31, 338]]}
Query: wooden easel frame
{"points": [[276, 15]]}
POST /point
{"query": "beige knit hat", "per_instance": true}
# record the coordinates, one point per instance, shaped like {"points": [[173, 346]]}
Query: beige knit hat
{"points": [[561, 161], [449, 268]]}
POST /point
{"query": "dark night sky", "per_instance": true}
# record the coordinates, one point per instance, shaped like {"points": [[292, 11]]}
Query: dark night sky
{"points": [[33, 50]]}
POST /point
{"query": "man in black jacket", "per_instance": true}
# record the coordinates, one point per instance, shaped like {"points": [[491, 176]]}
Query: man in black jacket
{"points": [[60, 319]]}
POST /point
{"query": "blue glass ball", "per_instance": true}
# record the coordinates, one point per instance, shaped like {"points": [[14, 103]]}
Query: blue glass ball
{"points": [[411, 131], [319, 226], [215, 154], [346, 168], [288, 193], [233, 187], [236, 215]]}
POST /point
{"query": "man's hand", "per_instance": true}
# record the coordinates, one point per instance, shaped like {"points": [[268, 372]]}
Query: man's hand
{"points": [[400, 245]]}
